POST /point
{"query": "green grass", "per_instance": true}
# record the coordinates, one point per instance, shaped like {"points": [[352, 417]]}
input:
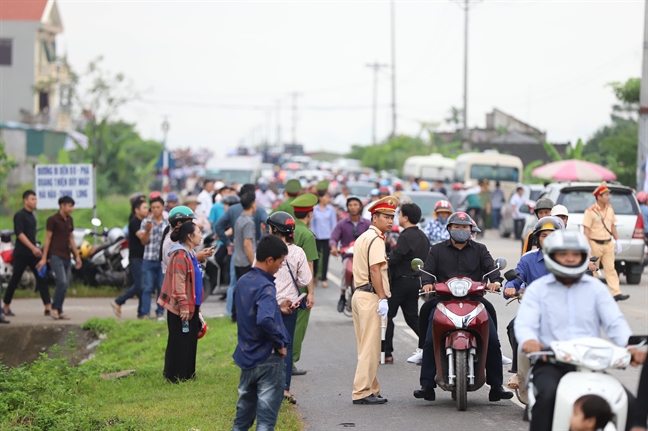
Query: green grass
{"points": [[50, 395], [76, 290]]}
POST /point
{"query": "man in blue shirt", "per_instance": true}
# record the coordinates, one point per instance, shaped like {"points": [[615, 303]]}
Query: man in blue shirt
{"points": [[564, 305], [530, 267], [262, 339], [228, 220]]}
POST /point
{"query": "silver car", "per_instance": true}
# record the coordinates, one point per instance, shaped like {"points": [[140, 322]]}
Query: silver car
{"points": [[577, 197]]}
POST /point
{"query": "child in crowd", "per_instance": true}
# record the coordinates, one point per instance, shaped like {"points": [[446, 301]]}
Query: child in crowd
{"points": [[591, 413]]}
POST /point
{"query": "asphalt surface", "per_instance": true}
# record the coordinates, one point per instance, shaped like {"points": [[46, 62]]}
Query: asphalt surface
{"points": [[330, 356]]}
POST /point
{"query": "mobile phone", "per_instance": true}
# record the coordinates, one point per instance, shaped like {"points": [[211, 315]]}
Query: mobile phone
{"points": [[299, 298]]}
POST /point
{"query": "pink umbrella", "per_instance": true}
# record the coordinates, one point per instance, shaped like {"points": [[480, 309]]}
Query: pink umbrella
{"points": [[574, 170]]}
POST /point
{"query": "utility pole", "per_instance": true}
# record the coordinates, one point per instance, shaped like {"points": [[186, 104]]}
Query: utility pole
{"points": [[294, 96], [642, 144], [376, 68], [278, 122], [165, 159], [465, 133], [393, 67]]}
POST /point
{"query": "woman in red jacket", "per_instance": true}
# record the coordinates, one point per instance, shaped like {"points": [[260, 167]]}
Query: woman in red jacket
{"points": [[182, 294]]}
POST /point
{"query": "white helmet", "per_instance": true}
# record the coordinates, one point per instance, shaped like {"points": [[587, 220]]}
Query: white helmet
{"points": [[559, 210], [115, 234], [564, 240]]}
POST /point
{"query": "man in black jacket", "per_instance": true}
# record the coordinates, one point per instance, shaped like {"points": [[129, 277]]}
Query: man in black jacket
{"points": [[460, 256], [405, 282]]}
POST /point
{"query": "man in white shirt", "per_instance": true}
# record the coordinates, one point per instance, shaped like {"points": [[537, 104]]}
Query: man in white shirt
{"points": [[340, 200], [517, 200], [205, 198]]}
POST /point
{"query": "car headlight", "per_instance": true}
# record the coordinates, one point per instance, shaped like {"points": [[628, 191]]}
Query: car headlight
{"points": [[597, 358], [459, 287]]}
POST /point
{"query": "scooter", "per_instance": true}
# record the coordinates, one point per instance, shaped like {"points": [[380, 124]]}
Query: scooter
{"points": [[347, 276], [216, 274], [103, 263], [460, 333], [591, 357]]}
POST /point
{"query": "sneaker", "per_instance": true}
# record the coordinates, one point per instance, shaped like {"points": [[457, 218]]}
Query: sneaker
{"points": [[506, 361], [417, 357], [160, 318]]}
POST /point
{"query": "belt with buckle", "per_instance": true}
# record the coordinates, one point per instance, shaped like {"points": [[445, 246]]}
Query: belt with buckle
{"points": [[601, 241], [366, 288]]}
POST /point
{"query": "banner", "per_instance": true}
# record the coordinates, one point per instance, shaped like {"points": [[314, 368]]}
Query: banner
{"points": [[53, 181]]}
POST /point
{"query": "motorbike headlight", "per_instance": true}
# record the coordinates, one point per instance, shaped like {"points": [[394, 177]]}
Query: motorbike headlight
{"points": [[597, 358], [459, 287]]}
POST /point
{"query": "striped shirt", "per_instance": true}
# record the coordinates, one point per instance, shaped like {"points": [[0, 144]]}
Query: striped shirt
{"points": [[152, 249]]}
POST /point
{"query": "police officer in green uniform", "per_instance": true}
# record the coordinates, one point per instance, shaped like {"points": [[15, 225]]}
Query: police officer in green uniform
{"points": [[322, 187], [303, 209], [293, 187]]}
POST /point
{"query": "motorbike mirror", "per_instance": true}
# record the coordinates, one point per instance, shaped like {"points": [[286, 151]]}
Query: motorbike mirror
{"points": [[417, 264], [511, 274], [594, 259], [500, 262], [95, 222]]}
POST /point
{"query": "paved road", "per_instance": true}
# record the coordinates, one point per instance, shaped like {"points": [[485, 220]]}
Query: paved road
{"points": [[324, 394]]}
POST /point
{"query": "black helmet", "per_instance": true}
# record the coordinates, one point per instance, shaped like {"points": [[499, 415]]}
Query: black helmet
{"points": [[354, 198], [231, 200], [544, 203], [460, 218], [282, 221]]}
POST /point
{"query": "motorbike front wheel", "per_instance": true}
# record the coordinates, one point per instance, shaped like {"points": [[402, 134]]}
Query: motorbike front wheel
{"points": [[348, 294], [461, 380]]}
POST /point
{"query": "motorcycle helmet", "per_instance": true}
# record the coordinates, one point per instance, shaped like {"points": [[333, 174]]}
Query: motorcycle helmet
{"points": [[460, 218], [84, 250], [547, 223], [443, 206], [231, 200], [564, 240], [134, 197], [374, 192], [544, 203], [642, 197], [384, 190], [475, 228], [115, 234], [154, 195], [203, 329], [180, 214], [282, 221], [560, 210]]}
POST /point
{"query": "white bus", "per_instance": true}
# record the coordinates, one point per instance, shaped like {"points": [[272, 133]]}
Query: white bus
{"points": [[492, 166], [429, 168]]}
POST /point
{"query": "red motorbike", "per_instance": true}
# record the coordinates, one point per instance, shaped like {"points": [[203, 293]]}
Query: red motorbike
{"points": [[460, 332], [347, 276]]}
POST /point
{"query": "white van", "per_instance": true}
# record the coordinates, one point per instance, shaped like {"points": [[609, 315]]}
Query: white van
{"points": [[492, 166], [429, 168], [236, 169]]}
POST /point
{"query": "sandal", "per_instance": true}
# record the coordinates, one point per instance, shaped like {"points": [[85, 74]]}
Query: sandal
{"points": [[116, 308], [63, 316], [9, 312], [514, 382], [290, 399]]}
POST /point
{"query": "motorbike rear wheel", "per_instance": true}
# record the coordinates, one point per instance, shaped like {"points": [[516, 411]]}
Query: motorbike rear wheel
{"points": [[461, 380], [348, 294]]}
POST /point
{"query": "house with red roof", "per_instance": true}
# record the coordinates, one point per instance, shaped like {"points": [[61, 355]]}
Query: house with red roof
{"points": [[34, 79]]}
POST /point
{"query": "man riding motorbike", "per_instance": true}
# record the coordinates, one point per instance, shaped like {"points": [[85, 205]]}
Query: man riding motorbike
{"points": [[436, 229], [564, 305], [460, 256], [345, 232], [542, 209]]}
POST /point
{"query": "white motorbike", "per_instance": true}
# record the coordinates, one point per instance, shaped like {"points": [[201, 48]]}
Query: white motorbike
{"points": [[591, 357]]}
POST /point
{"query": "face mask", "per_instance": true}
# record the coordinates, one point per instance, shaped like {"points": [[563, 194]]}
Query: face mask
{"points": [[460, 236], [264, 188], [442, 220]]}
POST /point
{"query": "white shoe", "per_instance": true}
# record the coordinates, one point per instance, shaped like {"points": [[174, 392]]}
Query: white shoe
{"points": [[161, 319], [417, 357], [506, 361]]}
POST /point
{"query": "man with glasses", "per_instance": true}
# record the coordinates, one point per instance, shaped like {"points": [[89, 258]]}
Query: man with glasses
{"points": [[346, 232], [601, 232]]}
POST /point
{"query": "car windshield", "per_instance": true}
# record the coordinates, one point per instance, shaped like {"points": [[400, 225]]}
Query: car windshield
{"points": [[231, 176], [494, 173], [535, 194], [361, 189], [426, 202], [577, 201]]}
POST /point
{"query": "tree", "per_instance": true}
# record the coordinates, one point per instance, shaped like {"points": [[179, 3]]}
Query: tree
{"points": [[570, 152], [7, 163]]}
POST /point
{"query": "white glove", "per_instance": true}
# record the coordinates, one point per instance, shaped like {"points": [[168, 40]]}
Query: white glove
{"points": [[619, 249], [383, 307]]}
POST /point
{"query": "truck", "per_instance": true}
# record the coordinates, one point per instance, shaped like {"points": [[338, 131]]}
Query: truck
{"points": [[234, 169]]}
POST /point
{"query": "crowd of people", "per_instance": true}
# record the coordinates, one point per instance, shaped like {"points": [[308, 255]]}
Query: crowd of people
{"points": [[276, 260]]}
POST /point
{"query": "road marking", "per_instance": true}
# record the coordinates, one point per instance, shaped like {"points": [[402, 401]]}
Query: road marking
{"points": [[334, 279]]}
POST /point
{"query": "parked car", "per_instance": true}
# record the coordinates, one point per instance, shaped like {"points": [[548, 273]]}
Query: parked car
{"points": [[360, 189], [577, 197], [531, 194]]}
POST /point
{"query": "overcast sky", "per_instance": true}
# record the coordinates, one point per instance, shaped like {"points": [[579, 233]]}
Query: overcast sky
{"points": [[218, 69]]}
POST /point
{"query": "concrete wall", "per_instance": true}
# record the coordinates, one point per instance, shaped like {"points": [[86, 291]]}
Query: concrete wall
{"points": [[16, 146], [16, 81]]}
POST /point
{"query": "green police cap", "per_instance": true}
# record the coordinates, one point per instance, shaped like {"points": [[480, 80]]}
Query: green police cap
{"points": [[322, 186], [304, 203], [293, 187]]}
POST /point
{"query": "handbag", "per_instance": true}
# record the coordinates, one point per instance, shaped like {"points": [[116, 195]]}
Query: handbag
{"points": [[302, 304]]}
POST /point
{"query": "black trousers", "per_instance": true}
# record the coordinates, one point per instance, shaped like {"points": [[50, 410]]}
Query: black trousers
{"points": [[642, 398], [404, 294], [428, 308], [20, 262], [324, 250], [494, 374], [518, 227], [510, 331], [180, 357]]}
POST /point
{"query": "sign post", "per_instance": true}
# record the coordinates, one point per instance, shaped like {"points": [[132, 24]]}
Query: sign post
{"points": [[54, 181]]}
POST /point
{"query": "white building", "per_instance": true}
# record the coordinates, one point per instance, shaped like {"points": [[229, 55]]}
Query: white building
{"points": [[34, 82]]}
